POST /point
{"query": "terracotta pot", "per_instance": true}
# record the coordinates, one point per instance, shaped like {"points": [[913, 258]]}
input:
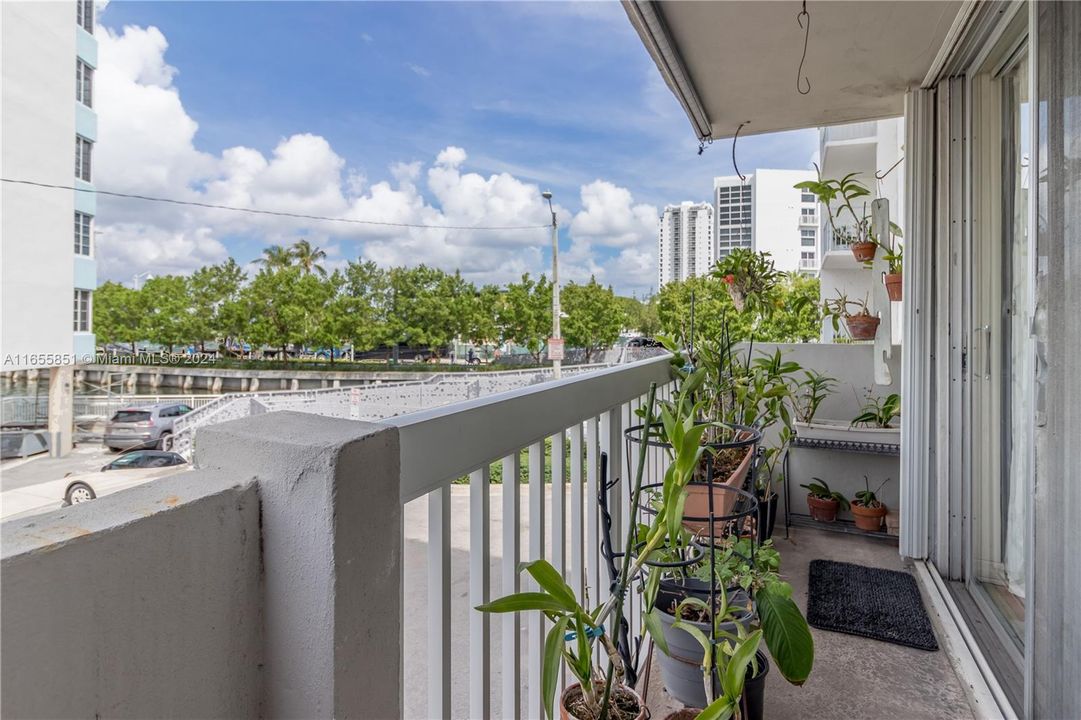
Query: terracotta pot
{"points": [[863, 251], [862, 327], [869, 519], [697, 504], [565, 714], [893, 286], [822, 510]]}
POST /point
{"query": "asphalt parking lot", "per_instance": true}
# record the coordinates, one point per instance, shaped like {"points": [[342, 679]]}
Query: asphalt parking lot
{"points": [[85, 457]]}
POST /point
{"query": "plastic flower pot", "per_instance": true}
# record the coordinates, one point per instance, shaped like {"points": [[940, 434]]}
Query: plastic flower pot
{"points": [[863, 251], [622, 695], [862, 327], [822, 509], [893, 286], [867, 518], [697, 503], [681, 668]]}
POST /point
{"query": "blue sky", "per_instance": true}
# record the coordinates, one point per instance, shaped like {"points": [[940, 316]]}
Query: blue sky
{"points": [[555, 95]]}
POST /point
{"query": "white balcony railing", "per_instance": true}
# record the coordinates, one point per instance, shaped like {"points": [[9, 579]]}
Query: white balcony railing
{"points": [[438, 446], [808, 220]]}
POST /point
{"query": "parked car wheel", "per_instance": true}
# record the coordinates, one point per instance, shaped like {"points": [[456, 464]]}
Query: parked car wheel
{"points": [[79, 492], [161, 440]]}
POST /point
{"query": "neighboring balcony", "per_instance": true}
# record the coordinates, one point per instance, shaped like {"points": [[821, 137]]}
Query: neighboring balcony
{"points": [[851, 133], [806, 220]]}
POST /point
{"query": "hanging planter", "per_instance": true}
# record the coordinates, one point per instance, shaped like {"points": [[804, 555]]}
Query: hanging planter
{"points": [[892, 277], [862, 327], [747, 276], [863, 251]]}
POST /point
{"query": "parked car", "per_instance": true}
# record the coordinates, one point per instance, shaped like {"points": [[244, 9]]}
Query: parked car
{"points": [[142, 426], [128, 470], [643, 342], [138, 467]]}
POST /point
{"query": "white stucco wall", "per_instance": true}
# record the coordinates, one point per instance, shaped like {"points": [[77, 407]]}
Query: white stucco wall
{"points": [[776, 207], [38, 143]]}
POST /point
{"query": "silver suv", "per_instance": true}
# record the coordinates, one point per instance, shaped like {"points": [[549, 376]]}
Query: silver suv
{"points": [[143, 426]]}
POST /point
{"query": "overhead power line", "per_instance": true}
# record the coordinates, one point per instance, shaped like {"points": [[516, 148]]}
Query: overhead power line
{"points": [[276, 213]]}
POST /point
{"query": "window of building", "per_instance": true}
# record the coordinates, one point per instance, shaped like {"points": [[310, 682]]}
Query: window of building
{"points": [[82, 311], [82, 233], [807, 212], [807, 238], [808, 197], [83, 149], [84, 83], [84, 14]]}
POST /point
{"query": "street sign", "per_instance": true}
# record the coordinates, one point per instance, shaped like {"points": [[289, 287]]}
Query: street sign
{"points": [[555, 348]]}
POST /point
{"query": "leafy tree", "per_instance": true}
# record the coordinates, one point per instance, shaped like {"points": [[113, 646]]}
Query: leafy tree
{"points": [[118, 314], [641, 316], [364, 303], [307, 257], [212, 287], [524, 314], [167, 316], [789, 311], [421, 312], [594, 316], [286, 306], [276, 257], [483, 322]]}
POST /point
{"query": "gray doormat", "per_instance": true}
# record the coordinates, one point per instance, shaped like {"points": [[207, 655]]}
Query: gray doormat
{"points": [[871, 602]]}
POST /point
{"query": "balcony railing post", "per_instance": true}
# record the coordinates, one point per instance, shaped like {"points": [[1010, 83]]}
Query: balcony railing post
{"points": [[536, 620], [512, 659], [480, 664], [439, 603], [331, 555]]}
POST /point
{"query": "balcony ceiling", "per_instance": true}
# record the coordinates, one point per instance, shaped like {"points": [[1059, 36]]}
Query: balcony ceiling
{"points": [[731, 62]]}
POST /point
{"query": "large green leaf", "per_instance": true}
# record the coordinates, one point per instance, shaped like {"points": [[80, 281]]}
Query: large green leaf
{"points": [[722, 708], [551, 581], [787, 635], [523, 601], [655, 628], [736, 671], [553, 650]]}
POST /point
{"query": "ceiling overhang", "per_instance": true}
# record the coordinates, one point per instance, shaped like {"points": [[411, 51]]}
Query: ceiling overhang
{"points": [[730, 63]]}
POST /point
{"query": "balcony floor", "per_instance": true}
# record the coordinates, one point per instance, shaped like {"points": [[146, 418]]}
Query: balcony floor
{"points": [[853, 678]]}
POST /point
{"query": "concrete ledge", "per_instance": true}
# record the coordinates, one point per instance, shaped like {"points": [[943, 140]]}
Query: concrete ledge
{"points": [[332, 549], [146, 603]]}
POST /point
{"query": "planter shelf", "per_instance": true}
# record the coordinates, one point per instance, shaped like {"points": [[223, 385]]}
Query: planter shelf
{"points": [[838, 436]]}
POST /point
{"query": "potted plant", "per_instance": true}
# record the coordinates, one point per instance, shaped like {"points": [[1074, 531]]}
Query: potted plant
{"points": [[867, 510], [857, 235], [748, 276], [876, 416], [874, 423], [858, 320], [597, 694], [893, 277], [823, 502]]}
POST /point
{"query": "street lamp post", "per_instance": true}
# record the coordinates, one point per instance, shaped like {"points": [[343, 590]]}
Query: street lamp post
{"points": [[139, 276], [558, 362]]}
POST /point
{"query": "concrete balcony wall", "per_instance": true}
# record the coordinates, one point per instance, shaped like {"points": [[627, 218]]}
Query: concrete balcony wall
{"points": [[265, 583], [141, 604]]}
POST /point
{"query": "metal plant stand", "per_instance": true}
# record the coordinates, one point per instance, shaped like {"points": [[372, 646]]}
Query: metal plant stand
{"points": [[846, 446]]}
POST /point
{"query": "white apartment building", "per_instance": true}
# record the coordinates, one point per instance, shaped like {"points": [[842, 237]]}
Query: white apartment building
{"points": [[868, 148], [47, 252], [766, 213], [685, 244]]}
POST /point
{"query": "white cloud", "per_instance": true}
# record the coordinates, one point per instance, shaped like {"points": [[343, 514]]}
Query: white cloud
{"points": [[147, 144], [610, 217], [419, 69]]}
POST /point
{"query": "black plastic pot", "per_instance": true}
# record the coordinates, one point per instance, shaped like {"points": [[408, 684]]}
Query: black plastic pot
{"points": [[753, 702], [767, 517]]}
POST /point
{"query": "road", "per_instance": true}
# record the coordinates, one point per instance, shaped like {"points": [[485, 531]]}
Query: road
{"points": [[86, 457]]}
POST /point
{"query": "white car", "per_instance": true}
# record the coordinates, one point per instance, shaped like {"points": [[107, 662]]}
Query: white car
{"points": [[129, 470]]}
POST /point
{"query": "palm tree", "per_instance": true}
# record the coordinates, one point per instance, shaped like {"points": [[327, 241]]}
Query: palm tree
{"points": [[308, 256], [276, 257]]}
